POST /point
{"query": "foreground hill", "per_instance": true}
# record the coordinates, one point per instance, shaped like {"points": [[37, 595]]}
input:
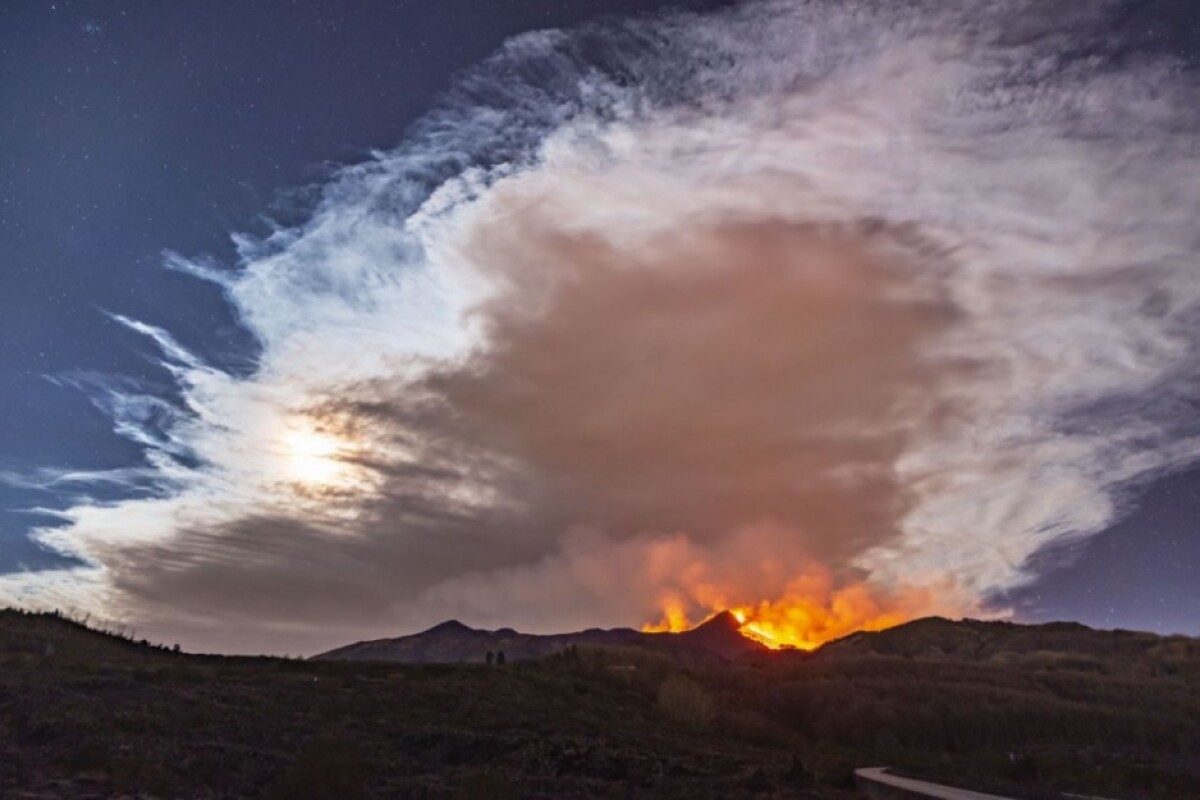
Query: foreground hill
{"points": [[89, 715], [1027, 712]]}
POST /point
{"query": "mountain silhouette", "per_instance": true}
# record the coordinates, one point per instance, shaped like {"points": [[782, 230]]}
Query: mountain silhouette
{"points": [[720, 634], [717, 638]]}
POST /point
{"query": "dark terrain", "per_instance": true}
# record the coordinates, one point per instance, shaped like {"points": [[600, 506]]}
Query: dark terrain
{"points": [[1029, 711]]}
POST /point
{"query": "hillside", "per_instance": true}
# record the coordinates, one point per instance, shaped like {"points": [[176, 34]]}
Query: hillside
{"points": [[84, 714], [1009, 643], [1025, 711]]}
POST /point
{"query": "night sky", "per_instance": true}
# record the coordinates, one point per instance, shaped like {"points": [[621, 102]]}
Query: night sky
{"points": [[132, 129], [136, 130]]}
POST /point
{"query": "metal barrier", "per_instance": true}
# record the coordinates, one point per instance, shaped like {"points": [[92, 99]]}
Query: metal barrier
{"points": [[875, 783]]}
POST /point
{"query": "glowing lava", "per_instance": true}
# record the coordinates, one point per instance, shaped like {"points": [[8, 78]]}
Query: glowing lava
{"points": [[809, 614]]}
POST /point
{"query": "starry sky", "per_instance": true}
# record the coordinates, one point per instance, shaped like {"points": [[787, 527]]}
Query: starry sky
{"points": [[151, 153]]}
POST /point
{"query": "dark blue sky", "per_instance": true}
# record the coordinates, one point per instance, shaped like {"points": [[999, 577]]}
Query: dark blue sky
{"points": [[134, 128]]}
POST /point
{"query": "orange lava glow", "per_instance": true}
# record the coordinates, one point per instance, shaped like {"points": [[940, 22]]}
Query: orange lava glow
{"points": [[809, 613]]}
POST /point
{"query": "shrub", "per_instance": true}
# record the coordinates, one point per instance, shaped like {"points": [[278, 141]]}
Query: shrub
{"points": [[486, 786], [685, 700], [325, 769]]}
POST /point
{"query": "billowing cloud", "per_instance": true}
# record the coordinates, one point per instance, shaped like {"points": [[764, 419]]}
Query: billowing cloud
{"points": [[836, 313]]}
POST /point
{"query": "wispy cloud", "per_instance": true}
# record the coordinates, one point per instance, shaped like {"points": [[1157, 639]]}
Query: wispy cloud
{"points": [[848, 301]]}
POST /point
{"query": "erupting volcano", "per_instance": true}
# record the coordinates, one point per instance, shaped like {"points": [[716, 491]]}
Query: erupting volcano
{"points": [[795, 623], [808, 611]]}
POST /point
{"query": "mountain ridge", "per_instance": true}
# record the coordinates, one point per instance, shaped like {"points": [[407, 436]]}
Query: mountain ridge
{"points": [[454, 642], [720, 638]]}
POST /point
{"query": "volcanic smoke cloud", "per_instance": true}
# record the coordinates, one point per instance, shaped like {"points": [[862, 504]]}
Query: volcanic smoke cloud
{"points": [[834, 313]]}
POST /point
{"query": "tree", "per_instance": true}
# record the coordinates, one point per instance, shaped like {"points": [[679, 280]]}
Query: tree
{"points": [[500, 658]]}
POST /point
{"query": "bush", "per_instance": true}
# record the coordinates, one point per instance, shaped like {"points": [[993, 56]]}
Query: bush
{"points": [[486, 786], [325, 769], [685, 700], [132, 774]]}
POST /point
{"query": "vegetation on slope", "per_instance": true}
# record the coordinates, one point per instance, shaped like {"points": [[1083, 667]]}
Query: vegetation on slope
{"points": [[95, 715], [1025, 711]]}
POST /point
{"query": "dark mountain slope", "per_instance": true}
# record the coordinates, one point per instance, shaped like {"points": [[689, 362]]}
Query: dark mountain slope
{"points": [[84, 714], [1065, 644], [1018, 711], [720, 634]]}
